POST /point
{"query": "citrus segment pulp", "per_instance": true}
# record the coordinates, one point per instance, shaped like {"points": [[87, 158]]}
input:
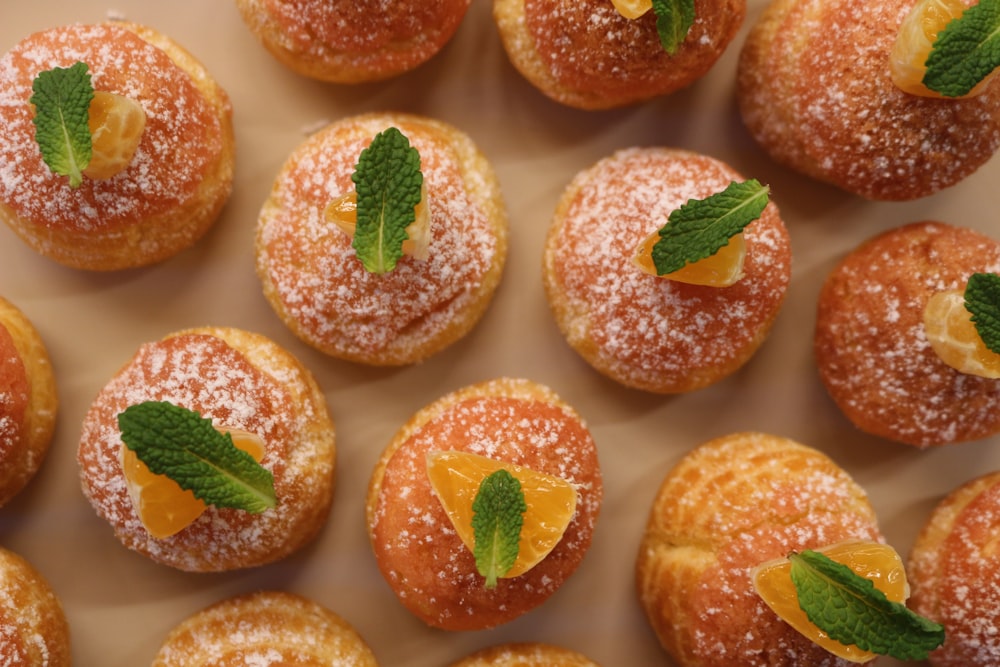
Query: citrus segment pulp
{"points": [[952, 334], [116, 125], [722, 269], [632, 9], [343, 212]]}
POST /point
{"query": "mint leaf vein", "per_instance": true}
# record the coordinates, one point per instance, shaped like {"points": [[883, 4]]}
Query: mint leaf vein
{"points": [[982, 299], [498, 514], [965, 51], [61, 97], [674, 19]]}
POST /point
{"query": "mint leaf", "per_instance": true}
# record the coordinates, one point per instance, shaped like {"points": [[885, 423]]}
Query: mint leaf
{"points": [[180, 444], [674, 19], [497, 515], [700, 227], [965, 51], [61, 97], [387, 180], [848, 608], [982, 299]]}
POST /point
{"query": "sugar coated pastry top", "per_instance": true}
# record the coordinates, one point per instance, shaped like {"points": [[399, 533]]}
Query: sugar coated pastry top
{"points": [[525, 654], [33, 627]]}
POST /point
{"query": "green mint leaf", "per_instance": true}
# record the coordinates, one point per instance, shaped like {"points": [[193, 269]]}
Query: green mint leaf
{"points": [[848, 608], [674, 19], [965, 51], [180, 444], [497, 515], [387, 180], [982, 299], [61, 97], [700, 227]]}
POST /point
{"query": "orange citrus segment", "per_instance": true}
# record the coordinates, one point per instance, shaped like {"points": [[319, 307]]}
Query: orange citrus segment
{"points": [[632, 9], [116, 125], [162, 505], [878, 562], [455, 478], [953, 336], [722, 269], [343, 212]]}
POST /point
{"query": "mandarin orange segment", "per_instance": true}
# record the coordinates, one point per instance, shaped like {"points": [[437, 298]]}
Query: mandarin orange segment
{"points": [[952, 334], [722, 269], [455, 478], [878, 562], [162, 505], [116, 125], [632, 9], [343, 212]]}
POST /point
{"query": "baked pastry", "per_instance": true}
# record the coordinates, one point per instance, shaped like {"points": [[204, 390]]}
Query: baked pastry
{"points": [[870, 344], [417, 549], [954, 574], [641, 330], [347, 41], [261, 629], [588, 55], [815, 90], [524, 654], [33, 627], [243, 382], [311, 273], [176, 182], [729, 505], [28, 401]]}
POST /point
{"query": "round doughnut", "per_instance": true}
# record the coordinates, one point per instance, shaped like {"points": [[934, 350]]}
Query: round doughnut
{"points": [[33, 627], [352, 41], [417, 550], [524, 654], [729, 505], [584, 54], [178, 180], [28, 401], [639, 330], [870, 347], [313, 279], [240, 380], [954, 573], [858, 132], [266, 628]]}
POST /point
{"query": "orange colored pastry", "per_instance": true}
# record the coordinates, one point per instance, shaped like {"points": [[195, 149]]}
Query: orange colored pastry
{"points": [[33, 627], [421, 556], [176, 182], [816, 92], [525, 654], [243, 382], [352, 41], [729, 505], [641, 330], [28, 401], [871, 345], [955, 573], [264, 628], [585, 54], [311, 273]]}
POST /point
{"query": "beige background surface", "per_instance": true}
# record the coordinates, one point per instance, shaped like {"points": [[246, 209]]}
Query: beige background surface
{"points": [[121, 605]]}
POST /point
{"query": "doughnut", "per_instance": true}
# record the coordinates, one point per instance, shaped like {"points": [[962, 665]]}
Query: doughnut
{"points": [[261, 629], [870, 347], [33, 627], [646, 332], [178, 180], [585, 54], [954, 575], [240, 380], [417, 550], [524, 654], [729, 505], [815, 92], [311, 274], [352, 41], [28, 401]]}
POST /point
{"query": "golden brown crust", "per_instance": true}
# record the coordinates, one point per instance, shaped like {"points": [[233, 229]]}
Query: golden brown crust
{"points": [[525, 654], [267, 627], [33, 627], [239, 380], [870, 346], [730, 504], [28, 401], [642, 331], [352, 41], [584, 54], [814, 90], [313, 279], [178, 181], [954, 572], [418, 551]]}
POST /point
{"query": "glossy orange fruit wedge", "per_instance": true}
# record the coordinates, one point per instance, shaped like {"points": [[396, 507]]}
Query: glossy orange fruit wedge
{"points": [[343, 212], [952, 334], [116, 126], [632, 9], [722, 269]]}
